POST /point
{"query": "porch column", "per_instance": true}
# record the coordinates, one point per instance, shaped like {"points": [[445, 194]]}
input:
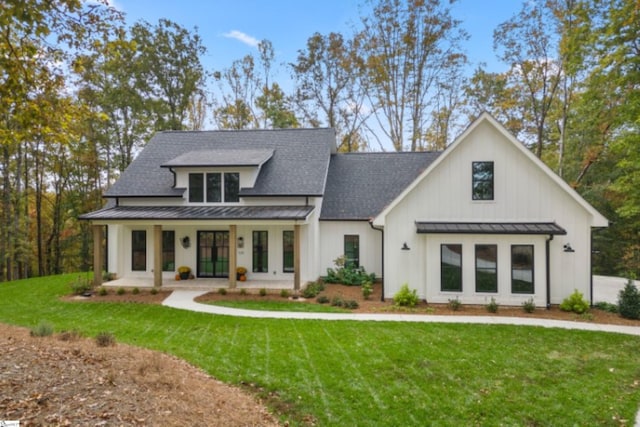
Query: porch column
{"points": [[296, 257], [233, 239], [98, 236], [157, 256]]}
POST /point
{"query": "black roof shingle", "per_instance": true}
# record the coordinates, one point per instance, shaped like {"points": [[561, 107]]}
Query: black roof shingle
{"points": [[298, 166], [361, 185]]}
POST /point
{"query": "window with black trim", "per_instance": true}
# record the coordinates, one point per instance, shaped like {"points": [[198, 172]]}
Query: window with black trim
{"points": [[138, 250], [196, 188], [451, 267], [168, 250], [231, 187], [287, 251], [260, 252], [522, 277], [486, 268], [214, 187], [352, 250], [482, 180]]}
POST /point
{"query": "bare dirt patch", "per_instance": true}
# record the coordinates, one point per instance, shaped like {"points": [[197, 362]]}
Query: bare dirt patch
{"points": [[48, 381]]}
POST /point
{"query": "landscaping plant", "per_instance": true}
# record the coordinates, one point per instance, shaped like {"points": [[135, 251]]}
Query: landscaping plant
{"points": [[406, 297], [629, 301], [575, 303]]}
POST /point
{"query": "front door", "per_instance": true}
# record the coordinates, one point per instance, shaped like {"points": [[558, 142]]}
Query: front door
{"points": [[213, 254]]}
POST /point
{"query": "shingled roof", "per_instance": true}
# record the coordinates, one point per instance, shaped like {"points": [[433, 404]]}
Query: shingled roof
{"points": [[298, 166], [361, 185]]}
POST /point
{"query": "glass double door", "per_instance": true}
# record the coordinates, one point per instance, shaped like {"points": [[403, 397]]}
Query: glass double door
{"points": [[213, 254]]}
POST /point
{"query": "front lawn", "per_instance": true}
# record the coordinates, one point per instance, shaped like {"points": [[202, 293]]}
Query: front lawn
{"points": [[377, 373]]}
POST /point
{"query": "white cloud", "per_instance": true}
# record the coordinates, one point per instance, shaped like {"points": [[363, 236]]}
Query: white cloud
{"points": [[244, 38], [109, 3]]}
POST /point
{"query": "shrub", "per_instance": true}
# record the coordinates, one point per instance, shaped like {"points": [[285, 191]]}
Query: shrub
{"points": [[575, 303], [351, 304], [454, 304], [337, 302], [103, 291], [105, 339], [312, 289], [107, 277], [322, 299], [529, 306], [222, 291], [348, 274], [606, 306], [42, 329], [285, 293], [629, 301], [121, 291], [154, 291], [81, 285], [135, 291], [405, 297], [367, 290], [243, 292], [72, 335], [492, 307], [262, 292]]}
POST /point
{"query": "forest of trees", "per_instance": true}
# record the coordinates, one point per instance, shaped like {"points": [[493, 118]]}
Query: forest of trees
{"points": [[81, 92]]}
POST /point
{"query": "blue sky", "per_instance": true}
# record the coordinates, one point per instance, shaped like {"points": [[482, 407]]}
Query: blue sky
{"points": [[230, 28]]}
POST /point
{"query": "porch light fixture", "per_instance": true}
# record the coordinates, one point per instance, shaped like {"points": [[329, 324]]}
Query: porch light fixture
{"points": [[186, 242], [568, 248], [240, 242], [405, 247]]}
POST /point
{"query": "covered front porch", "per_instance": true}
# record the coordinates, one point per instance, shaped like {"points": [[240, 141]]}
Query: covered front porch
{"points": [[208, 284]]}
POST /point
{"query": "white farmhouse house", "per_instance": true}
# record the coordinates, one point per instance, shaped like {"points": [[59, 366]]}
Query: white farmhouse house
{"points": [[484, 218]]}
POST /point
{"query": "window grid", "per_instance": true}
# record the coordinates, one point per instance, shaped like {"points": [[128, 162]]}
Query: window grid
{"points": [[352, 250], [451, 267], [260, 252], [287, 251], [138, 250], [522, 269], [482, 186], [486, 268]]}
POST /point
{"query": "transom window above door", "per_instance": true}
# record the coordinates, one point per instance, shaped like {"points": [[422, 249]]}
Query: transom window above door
{"points": [[214, 187]]}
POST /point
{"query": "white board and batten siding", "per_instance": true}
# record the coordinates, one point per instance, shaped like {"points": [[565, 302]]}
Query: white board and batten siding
{"points": [[332, 245], [525, 190]]}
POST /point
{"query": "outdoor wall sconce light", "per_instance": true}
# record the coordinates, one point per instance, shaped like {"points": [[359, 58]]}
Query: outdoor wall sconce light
{"points": [[240, 242], [186, 242], [405, 247], [568, 248]]}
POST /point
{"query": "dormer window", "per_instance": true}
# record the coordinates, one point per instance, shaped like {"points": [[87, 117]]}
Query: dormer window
{"points": [[214, 187], [482, 180]]}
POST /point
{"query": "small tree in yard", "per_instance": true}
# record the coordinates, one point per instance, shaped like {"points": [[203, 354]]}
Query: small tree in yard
{"points": [[629, 301]]}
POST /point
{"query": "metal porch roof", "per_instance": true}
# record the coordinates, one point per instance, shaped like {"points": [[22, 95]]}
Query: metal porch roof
{"points": [[174, 213], [423, 227]]}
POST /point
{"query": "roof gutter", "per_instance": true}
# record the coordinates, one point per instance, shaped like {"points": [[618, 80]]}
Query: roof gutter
{"points": [[381, 230]]}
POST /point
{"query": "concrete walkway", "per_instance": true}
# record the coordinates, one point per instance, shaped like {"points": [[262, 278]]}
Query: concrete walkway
{"points": [[185, 300]]}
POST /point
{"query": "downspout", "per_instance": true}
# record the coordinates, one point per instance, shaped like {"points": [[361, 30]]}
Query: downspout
{"points": [[548, 256], [381, 230]]}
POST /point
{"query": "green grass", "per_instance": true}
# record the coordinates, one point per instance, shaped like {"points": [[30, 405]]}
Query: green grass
{"points": [[279, 306], [372, 373]]}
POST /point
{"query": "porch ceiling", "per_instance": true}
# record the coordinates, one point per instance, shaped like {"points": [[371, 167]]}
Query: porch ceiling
{"points": [[489, 228], [169, 213]]}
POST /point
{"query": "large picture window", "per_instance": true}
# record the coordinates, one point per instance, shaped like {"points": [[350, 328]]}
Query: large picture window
{"points": [[287, 251], [139, 250], [260, 252], [168, 250], [486, 268], [214, 187], [522, 269], [352, 250], [482, 177], [451, 267]]}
